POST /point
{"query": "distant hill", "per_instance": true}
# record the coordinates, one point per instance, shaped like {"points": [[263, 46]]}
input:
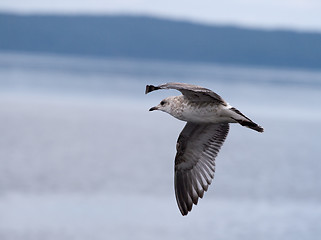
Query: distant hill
{"points": [[153, 38]]}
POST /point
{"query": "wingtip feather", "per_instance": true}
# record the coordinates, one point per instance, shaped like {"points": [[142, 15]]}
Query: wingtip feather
{"points": [[150, 88]]}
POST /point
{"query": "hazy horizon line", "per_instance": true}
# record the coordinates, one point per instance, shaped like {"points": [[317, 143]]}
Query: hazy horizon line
{"points": [[162, 17]]}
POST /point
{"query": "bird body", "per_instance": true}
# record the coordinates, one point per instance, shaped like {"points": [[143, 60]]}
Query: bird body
{"points": [[183, 109], [208, 117], [188, 110]]}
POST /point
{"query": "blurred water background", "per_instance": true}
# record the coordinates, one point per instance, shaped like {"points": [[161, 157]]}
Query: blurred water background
{"points": [[82, 158]]}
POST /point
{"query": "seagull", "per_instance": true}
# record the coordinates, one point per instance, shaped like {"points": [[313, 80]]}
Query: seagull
{"points": [[208, 117]]}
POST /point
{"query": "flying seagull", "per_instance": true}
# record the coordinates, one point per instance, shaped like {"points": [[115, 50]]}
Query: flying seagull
{"points": [[208, 117]]}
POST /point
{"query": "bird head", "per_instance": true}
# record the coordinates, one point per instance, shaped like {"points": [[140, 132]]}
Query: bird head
{"points": [[164, 105]]}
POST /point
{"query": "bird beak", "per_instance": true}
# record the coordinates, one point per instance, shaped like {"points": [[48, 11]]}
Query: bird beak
{"points": [[153, 108]]}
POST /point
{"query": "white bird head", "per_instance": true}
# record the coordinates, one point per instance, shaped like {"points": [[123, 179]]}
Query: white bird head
{"points": [[165, 105]]}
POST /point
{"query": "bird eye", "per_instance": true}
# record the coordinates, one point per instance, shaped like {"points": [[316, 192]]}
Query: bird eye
{"points": [[162, 103]]}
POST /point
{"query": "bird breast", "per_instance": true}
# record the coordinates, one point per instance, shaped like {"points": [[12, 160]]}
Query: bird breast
{"points": [[197, 112]]}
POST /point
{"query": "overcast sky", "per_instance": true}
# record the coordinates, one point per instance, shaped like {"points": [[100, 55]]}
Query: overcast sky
{"points": [[294, 14]]}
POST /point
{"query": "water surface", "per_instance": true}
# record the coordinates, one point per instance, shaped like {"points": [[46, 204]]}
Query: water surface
{"points": [[81, 157]]}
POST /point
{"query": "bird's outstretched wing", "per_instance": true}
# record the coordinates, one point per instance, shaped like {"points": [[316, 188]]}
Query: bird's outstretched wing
{"points": [[193, 92], [197, 147]]}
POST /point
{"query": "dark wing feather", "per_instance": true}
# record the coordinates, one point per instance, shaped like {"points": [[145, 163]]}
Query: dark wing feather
{"points": [[197, 147], [193, 92]]}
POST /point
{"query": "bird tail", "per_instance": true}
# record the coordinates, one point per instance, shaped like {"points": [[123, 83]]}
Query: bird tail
{"points": [[245, 121], [251, 125]]}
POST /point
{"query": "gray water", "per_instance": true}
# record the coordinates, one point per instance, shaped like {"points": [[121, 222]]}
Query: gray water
{"points": [[82, 158]]}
